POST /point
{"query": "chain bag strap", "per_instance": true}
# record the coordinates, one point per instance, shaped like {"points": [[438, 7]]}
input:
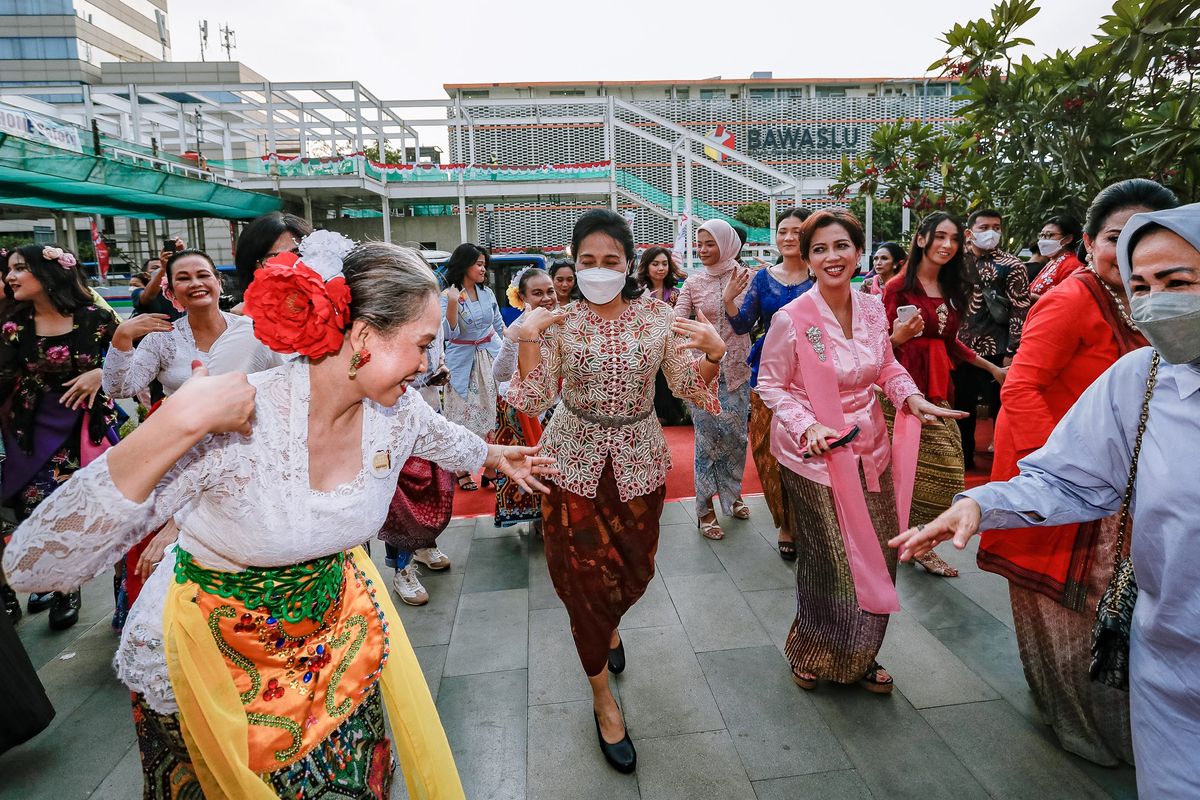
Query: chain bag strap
{"points": [[1114, 614]]}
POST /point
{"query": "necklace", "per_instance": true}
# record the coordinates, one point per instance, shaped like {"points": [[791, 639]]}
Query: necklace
{"points": [[1116, 300]]}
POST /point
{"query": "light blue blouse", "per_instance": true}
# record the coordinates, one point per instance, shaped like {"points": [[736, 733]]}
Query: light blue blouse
{"points": [[477, 319], [1080, 475]]}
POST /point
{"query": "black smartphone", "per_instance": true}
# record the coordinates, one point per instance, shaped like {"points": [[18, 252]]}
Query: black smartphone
{"points": [[847, 436], [171, 244]]}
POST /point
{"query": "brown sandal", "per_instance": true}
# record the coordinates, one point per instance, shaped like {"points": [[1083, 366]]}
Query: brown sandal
{"points": [[805, 680], [936, 565], [877, 680]]}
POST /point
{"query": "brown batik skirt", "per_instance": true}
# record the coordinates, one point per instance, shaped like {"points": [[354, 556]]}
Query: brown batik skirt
{"points": [[600, 554], [1090, 719], [832, 637], [940, 476], [764, 461]]}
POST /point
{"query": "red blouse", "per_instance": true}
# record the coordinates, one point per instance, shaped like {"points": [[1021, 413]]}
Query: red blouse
{"points": [[930, 356], [1055, 272]]}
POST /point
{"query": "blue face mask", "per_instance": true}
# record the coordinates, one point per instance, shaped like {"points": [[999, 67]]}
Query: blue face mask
{"points": [[1171, 322]]}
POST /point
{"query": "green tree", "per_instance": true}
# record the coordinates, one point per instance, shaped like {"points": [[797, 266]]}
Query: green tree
{"points": [[1041, 135], [391, 155], [754, 215], [886, 219]]}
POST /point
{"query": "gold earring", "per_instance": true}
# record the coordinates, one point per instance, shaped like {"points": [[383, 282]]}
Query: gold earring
{"points": [[358, 360]]}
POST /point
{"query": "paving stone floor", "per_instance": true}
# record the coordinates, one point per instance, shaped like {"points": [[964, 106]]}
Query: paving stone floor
{"points": [[706, 694]]}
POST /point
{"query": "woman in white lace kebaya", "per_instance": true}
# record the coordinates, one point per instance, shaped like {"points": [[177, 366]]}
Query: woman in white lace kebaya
{"points": [[263, 651], [600, 355], [167, 350], [165, 353]]}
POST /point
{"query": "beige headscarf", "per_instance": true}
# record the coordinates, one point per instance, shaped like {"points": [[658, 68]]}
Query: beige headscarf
{"points": [[729, 244]]}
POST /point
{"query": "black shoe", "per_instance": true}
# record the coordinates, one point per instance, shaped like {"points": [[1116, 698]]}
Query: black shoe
{"points": [[616, 658], [64, 610], [39, 601], [12, 605], [620, 756]]}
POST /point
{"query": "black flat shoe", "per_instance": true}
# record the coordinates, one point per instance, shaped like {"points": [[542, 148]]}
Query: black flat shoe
{"points": [[620, 756], [12, 605], [39, 601], [64, 610], [616, 658]]}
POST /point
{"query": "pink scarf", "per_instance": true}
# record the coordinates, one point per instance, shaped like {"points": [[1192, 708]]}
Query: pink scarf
{"points": [[872, 584], [729, 244]]}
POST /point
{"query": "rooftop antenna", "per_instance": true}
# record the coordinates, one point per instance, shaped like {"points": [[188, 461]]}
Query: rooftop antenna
{"points": [[203, 37], [228, 41]]}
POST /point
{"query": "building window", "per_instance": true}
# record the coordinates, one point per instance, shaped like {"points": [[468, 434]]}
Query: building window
{"points": [[566, 92], [931, 90], [795, 91], [38, 48], [683, 94], [958, 88], [831, 91], [36, 8], [712, 94], [475, 94]]}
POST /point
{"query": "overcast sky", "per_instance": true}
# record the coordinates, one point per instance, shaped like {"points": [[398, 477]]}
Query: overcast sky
{"points": [[407, 50]]}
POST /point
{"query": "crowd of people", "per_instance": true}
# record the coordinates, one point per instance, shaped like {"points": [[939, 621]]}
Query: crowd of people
{"points": [[376, 389]]}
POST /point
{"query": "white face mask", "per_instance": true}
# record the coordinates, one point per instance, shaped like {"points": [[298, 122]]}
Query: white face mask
{"points": [[1049, 247], [986, 240], [599, 285]]}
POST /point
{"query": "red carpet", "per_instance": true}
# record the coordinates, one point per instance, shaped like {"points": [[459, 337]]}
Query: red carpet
{"points": [[680, 480]]}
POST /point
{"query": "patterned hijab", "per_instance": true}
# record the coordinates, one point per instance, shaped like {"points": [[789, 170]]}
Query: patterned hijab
{"points": [[729, 244]]}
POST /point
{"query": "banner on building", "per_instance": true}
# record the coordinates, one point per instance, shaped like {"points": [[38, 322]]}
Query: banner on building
{"points": [[37, 128]]}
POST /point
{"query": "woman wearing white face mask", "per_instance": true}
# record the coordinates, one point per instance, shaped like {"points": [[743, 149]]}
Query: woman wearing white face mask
{"points": [[1057, 242], [601, 518], [1123, 444]]}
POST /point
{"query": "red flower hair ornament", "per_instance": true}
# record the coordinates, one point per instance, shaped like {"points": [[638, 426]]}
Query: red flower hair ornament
{"points": [[301, 304]]}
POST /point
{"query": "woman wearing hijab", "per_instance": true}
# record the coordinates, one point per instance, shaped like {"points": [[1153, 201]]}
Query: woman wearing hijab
{"points": [[1057, 575], [721, 439], [1130, 433]]}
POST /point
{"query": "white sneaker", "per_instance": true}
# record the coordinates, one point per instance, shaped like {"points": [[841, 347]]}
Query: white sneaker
{"points": [[409, 588], [432, 557]]}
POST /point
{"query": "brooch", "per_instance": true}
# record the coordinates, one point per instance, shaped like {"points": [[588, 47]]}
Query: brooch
{"points": [[381, 463], [943, 315], [814, 338]]}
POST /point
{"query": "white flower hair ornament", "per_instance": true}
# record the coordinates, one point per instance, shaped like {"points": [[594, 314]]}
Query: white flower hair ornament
{"points": [[513, 293], [324, 251]]}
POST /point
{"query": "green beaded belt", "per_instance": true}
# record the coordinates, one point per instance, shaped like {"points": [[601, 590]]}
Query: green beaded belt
{"points": [[291, 594]]}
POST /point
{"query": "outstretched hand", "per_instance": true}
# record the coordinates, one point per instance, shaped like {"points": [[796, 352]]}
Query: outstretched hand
{"points": [[959, 522], [522, 464], [929, 413]]}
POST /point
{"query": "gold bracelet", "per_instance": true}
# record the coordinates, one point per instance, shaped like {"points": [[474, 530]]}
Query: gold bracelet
{"points": [[711, 361], [530, 341]]}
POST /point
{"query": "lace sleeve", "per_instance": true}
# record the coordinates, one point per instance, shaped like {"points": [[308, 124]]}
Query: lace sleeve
{"points": [[449, 445], [506, 361], [87, 525], [128, 372], [536, 392]]}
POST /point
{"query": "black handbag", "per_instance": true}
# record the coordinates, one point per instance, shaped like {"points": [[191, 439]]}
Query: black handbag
{"points": [[1114, 614]]}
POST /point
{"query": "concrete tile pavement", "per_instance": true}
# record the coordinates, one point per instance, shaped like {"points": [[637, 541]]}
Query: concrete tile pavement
{"points": [[706, 693]]}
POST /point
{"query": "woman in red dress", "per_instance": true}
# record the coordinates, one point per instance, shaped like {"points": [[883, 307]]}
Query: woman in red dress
{"points": [[1057, 242], [1057, 575], [928, 347]]}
